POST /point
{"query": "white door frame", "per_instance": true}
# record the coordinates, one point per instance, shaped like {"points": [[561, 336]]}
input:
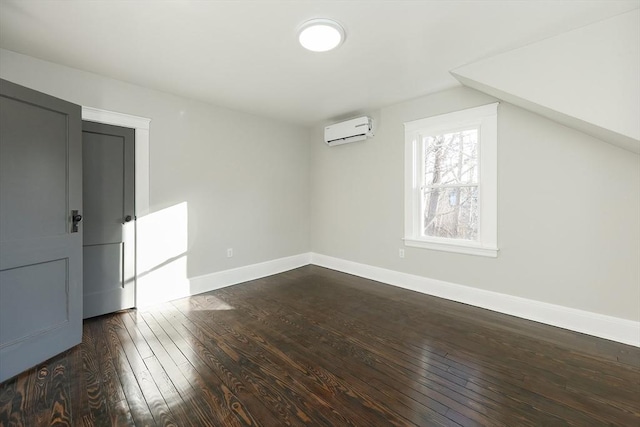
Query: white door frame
{"points": [[141, 127]]}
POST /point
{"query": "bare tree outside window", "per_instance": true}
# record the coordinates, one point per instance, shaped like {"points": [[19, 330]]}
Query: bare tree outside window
{"points": [[450, 187]]}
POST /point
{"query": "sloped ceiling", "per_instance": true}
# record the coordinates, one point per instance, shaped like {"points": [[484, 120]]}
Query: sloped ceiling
{"points": [[587, 78]]}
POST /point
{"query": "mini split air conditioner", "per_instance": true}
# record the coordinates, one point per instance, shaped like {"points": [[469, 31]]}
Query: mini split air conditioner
{"points": [[349, 131]]}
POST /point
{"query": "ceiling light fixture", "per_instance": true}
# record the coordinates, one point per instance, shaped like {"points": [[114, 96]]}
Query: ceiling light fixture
{"points": [[321, 35]]}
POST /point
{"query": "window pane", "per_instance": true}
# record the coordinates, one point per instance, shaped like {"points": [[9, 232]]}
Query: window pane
{"points": [[451, 213], [452, 158]]}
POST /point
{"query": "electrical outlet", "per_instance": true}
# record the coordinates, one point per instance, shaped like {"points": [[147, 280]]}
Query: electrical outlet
{"points": [[229, 252], [401, 253]]}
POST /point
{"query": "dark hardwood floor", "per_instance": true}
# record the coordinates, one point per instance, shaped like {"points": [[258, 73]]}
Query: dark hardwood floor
{"points": [[316, 347]]}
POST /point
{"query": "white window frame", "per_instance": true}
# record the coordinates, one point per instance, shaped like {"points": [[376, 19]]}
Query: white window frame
{"points": [[485, 119]]}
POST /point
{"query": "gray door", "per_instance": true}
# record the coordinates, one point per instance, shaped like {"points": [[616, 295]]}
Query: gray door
{"points": [[109, 221], [40, 253]]}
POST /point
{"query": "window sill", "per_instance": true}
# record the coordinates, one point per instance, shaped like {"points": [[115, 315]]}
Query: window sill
{"points": [[453, 247]]}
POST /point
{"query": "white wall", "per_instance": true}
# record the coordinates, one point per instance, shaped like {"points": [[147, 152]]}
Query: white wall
{"points": [[569, 205], [568, 215], [244, 178]]}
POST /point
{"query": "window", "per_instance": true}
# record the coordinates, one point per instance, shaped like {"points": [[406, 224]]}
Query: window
{"points": [[451, 182]]}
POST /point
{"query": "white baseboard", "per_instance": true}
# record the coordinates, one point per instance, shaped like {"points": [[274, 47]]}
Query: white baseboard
{"points": [[171, 282], [221, 279], [599, 325]]}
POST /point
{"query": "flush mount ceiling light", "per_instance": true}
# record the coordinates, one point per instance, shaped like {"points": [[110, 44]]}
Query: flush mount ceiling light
{"points": [[320, 35]]}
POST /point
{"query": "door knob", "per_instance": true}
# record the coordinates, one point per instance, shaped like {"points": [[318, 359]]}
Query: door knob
{"points": [[75, 220], [127, 218]]}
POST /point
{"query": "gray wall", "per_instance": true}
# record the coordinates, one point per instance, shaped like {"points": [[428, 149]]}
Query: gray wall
{"points": [[569, 205], [244, 178], [569, 209]]}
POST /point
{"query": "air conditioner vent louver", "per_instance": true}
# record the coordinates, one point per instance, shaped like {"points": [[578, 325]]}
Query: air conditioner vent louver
{"points": [[349, 131]]}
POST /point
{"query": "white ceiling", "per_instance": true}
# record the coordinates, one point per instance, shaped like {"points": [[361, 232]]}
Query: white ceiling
{"points": [[245, 55]]}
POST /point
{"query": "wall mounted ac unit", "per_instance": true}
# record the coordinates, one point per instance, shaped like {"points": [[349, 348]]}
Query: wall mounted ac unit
{"points": [[349, 131]]}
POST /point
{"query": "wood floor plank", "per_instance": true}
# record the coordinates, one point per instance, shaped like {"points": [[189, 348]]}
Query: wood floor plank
{"points": [[348, 364], [139, 409], [271, 363], [382, 372], [109, 385], [313, 346], [594, 412], [137, 327], [61, 407], [177, 391], [78, 383], [201, 411], [245, 382], [557, 385], [152, 395], [12, 396], [436, 377], [338, 393], [229, 409]]}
